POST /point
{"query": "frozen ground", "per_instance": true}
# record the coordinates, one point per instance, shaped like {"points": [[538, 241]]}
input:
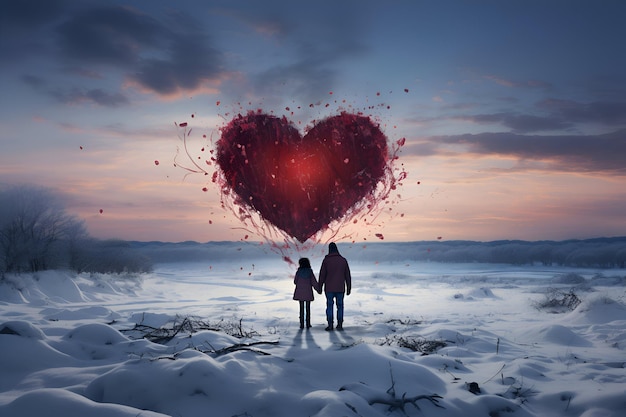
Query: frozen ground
{"points": [[66, 347]]}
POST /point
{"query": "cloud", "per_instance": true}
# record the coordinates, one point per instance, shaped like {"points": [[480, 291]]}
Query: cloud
{"points": [[168, 52], [159, 55], [25, 29], [520, 123], [75, 95], [306, 79], [423, 148], [608, 113], [33, 81], [96, 96], [189, 62], [108, 35], [25, 15], [519, 84], [311, 49], [583, 153], [311, 69], [555, 115], [263, 19]]}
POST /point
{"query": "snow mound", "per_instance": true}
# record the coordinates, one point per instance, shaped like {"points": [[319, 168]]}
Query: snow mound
{"points": [[23, 329], [480, 293], [11, 290], [208, 339], [97, 341], [599, 309], [82, 314], [23, 355], [151, 319], [57, 286], [60, 402], [557, 334], [96, 334], [171, 385]]}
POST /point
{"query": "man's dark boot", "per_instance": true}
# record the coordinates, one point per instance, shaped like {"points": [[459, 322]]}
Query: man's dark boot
{"points": [[330, 326], [340, 325]]}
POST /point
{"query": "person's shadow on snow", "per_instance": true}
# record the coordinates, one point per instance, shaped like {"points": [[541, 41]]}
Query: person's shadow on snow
{"points": [[341, 339], [304, 339]]}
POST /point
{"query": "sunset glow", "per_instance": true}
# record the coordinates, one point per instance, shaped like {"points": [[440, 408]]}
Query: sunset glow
{"points": [[513, 112]]}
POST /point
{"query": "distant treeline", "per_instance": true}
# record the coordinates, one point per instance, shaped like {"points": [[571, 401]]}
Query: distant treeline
{"points": [[593, 253]]}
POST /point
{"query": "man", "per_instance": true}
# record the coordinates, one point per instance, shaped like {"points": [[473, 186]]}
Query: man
{"points": [[335, 279]]}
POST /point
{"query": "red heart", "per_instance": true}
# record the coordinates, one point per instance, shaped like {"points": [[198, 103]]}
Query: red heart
{"points": [[302, 184]]}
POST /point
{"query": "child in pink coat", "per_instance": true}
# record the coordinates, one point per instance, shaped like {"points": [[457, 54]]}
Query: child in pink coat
{"points": [[305, 284]]}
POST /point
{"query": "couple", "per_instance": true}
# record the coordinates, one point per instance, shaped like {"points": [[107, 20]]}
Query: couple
{"points": [[334, 278]]}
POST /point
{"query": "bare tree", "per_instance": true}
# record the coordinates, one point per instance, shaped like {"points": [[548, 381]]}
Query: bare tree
{"points": [[34, 227]]}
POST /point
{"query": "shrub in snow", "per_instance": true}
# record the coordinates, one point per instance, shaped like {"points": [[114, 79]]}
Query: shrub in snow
{"points": [[414, 343], [558, 301]]}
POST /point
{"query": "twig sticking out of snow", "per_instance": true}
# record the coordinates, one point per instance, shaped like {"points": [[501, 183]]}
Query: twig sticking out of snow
{"points": [[190, 325], [243, 346], [187, 325], [389, 397]]}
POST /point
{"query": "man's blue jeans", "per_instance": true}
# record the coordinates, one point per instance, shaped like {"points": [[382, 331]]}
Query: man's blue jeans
{"points": [[330, 299]]}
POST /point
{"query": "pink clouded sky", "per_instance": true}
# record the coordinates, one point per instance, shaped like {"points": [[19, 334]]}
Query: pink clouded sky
{"points": [[514, 119]]}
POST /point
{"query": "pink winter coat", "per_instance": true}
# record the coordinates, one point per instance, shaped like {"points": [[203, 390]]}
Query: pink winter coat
{"points": [[305, 284], [335, 274]]}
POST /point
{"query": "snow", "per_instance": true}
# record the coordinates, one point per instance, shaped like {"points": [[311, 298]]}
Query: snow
{"points": [[67, 345]]}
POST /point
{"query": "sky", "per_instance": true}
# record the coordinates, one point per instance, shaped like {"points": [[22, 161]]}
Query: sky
{"points": [[513, 112]]}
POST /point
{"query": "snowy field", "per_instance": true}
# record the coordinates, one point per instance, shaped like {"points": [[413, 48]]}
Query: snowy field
{"points": [[419, 340]]}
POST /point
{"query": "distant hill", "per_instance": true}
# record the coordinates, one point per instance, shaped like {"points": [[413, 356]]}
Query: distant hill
{"points": [[602, 252]]}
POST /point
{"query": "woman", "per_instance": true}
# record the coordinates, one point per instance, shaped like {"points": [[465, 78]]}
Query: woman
{"points": [[305, 284]]}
